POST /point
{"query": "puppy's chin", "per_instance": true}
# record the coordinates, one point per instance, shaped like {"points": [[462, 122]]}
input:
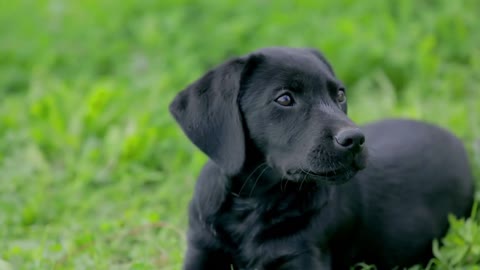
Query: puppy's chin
{"points": [[331, 177]]}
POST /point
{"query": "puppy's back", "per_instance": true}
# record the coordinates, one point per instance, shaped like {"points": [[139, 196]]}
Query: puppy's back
{"points": [[417, 174], [419, 147], [429, 158]]}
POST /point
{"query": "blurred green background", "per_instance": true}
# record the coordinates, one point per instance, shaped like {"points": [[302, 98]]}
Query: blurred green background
{"points": [[94, 173]]}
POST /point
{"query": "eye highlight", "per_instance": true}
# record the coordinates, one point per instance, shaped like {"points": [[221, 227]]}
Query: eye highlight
{"points": [[341, 97], [285, 100]]}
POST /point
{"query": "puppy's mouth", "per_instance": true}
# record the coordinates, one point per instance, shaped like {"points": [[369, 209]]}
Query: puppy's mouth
{"points": [[331, 173], [332, 176]]}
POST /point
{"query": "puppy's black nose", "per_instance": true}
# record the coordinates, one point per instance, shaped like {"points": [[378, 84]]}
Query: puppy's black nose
{"points": [[350, 139]]}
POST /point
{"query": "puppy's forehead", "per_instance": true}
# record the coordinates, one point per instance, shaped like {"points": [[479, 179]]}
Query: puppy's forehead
{"points": [[296, 60], [294, 63]]}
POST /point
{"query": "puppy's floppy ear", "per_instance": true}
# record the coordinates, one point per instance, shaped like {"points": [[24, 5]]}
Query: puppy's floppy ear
{"points": [[320, 56], [209, 115]]}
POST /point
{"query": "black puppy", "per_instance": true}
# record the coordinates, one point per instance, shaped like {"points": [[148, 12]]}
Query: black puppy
{"points": [[289, 184]]}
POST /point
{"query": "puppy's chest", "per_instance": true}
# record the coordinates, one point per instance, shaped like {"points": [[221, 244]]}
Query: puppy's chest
{"points": [[251, 229]]}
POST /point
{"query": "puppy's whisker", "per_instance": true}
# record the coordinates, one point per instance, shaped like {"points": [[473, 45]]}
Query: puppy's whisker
{"points": [[303, 180], [341, 165], [286, 183], [256, 181], [334, 167], [301, 183], [249, 177], [281, 183]]}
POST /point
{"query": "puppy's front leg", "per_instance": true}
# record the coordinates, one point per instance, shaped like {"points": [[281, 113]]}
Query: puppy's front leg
{"points": [[202, 259]]}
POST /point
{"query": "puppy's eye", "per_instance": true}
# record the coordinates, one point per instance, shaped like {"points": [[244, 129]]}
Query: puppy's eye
{"points": [[285, 100], [341, 97]]}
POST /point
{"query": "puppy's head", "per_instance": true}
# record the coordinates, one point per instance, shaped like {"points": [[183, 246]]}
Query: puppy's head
{"points": [[286, 103]]}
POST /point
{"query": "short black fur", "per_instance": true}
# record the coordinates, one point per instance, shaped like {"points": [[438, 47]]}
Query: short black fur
{"points": [[298, 185]]}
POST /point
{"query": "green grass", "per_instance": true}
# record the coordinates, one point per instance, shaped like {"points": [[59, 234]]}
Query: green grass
{"points": [[94, 173]]}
